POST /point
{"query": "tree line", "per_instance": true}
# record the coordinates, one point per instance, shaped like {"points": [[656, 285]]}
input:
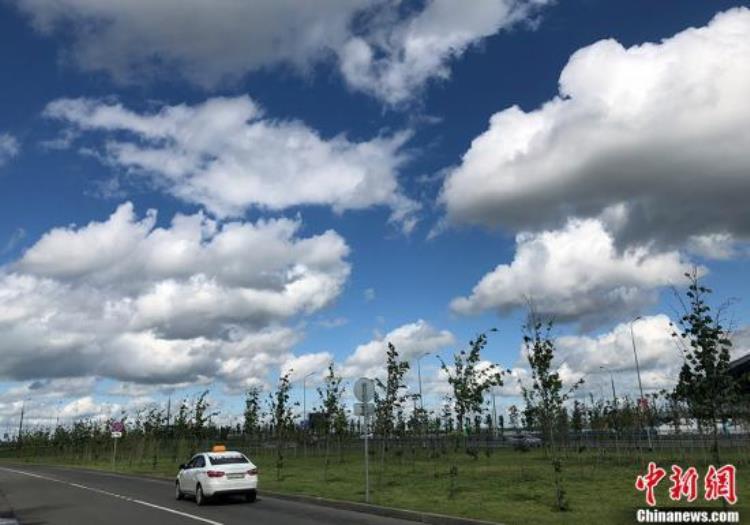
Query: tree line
{"points": [[705, 394]]}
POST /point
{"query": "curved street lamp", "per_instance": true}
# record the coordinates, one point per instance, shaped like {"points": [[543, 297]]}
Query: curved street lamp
{"points": [[612, 380], [304, 398], [640, 384], [419, 376]]}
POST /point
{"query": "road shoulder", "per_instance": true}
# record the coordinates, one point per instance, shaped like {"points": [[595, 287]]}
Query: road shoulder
{"points": [[377, 510]]}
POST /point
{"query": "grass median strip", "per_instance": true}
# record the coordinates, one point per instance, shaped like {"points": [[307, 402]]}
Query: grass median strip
{"points": [[506, 486]]}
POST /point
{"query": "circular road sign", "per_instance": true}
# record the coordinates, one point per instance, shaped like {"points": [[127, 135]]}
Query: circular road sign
{"points": [[364, 389]]}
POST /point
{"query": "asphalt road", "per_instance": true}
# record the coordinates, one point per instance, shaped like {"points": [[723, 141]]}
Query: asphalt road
{"points": [[38, 495]]}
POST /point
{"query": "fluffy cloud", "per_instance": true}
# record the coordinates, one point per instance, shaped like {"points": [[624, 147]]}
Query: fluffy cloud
{"points": [[659, 128], [226, 155], [49, 389], [88, 407], [411, 340], [301, 366], [659, 356], [8, 147], [137, 390], [713, 246], [190, 301], [381, 46], [393, 60], [575, 273], [42, 400], [609, 357], [206, 43]]}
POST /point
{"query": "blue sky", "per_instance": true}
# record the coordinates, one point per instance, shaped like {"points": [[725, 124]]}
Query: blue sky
{"points": [[87, 126]]}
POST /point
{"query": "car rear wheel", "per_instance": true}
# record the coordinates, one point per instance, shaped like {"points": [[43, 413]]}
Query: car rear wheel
{"points": [[200, 499], [178, 494], [251, 496]]}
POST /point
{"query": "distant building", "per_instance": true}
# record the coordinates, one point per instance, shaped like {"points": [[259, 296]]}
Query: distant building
{"points": [[316, 421], [740, 370]]}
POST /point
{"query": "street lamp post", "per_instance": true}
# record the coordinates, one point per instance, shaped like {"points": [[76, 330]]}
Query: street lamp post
{"points": [[494, 415], [304, 398], [612, 380], [419, 376], [640, 384], [304, 412], [20, 424]]}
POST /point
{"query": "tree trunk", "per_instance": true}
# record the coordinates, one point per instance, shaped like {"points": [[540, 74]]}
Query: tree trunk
{"points": [[325, 468]]}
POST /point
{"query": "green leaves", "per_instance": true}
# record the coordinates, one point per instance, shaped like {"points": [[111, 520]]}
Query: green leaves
{"points": [[390, 400], [334, 417], [545, 399], [704, 382], [471, 379], [280, 408], [251, 414]]}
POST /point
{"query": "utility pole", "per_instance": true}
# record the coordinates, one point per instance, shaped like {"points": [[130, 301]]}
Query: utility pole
{"points": [[419, 376], [640, 385], [304, 412], [169, 410], [494, 415], [304, 398], [612, 380], [20, 423]]}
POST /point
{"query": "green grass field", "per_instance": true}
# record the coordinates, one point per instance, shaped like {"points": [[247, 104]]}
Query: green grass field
{"points": [[509, 486]]}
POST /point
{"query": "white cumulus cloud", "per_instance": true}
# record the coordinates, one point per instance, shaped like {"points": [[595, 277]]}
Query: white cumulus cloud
{"points": [[382, 47], [226, 155], [301, 365], [395, 58], [575, 274], [593, 357], [658, 128], [189, 301], [411, 340], [203, 42]]}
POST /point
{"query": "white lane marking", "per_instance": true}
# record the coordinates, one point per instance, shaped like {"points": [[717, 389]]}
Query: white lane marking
{"points": [[160, 481], [112, 494]]}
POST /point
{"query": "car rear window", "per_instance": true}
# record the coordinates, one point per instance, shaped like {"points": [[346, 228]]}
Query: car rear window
{"points": [[227, 460]]}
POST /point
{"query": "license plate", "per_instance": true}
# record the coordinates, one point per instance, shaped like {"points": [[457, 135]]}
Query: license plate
{"points": [[235, 476]]}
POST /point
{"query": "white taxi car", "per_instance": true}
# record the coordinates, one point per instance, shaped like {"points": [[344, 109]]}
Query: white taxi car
{"points": [[217, 473]]}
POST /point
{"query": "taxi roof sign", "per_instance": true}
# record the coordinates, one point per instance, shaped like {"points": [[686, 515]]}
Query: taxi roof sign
{"points": [[219, 448]]}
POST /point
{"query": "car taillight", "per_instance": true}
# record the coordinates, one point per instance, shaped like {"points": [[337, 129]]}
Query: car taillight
{"points": [[215, 474], [252, 472]]}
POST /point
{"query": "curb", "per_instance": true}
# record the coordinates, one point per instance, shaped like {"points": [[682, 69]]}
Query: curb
{"points": [[366, 508], [389, 512]]}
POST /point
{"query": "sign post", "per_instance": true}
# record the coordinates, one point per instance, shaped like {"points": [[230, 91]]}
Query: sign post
{"points": [[364, 391], [116, 428]]}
